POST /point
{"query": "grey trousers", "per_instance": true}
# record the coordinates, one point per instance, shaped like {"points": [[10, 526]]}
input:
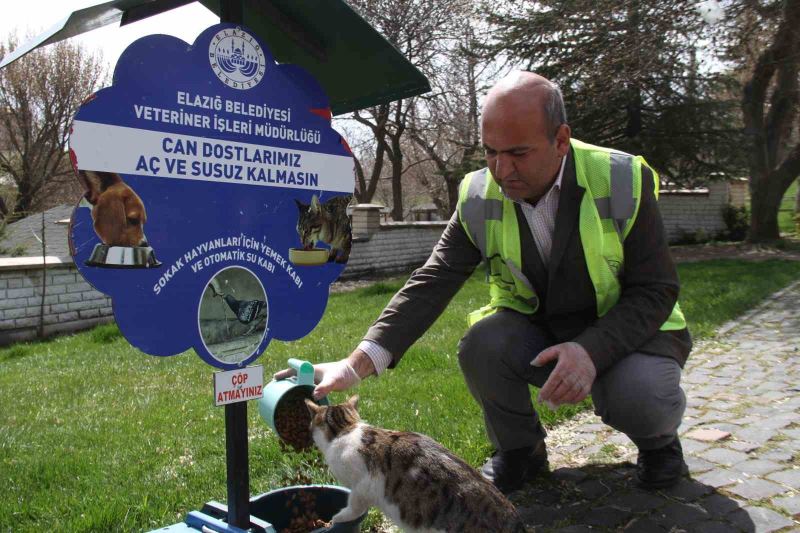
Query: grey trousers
{"points": [[639, 396]]}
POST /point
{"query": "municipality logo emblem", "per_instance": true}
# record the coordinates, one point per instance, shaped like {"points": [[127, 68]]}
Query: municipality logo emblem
{"points": [[237, 59]]}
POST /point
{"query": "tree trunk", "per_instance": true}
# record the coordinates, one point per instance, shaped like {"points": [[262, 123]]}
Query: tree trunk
{"points": [[452, 193], [25, 195], [397, 187], [764, 204]]}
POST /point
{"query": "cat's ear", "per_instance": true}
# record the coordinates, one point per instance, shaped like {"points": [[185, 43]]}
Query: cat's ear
{"points": [[314, 202], [353, 401], [313, 408]]}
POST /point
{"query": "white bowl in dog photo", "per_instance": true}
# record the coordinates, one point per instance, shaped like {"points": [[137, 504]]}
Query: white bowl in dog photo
{"points": [[107, 256]]}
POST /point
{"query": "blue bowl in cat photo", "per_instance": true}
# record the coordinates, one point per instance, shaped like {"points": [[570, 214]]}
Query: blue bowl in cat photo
{"points": [[276, 507]]}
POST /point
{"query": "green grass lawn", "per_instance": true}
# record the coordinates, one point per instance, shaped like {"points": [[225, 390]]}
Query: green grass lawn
{"points": [[786, 213], [96, 436]]}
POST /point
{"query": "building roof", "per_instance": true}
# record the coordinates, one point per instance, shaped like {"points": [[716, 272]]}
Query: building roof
{"points": [[22, 238]]}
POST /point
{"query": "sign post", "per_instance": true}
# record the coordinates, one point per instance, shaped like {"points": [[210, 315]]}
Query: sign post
{"points": [[236, 451]]}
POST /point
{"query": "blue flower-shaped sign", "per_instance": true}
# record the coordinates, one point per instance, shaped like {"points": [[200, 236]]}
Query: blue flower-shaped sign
{"points": [[215, 213]]}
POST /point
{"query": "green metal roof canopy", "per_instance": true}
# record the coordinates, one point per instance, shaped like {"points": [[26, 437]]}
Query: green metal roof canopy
{"points": [[357, 67]]}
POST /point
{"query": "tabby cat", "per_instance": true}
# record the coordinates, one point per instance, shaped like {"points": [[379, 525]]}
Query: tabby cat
{"points": [[326, 222], [415, 481]]}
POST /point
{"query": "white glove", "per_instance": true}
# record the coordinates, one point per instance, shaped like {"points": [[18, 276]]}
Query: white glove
{"points": [[335, 376]]}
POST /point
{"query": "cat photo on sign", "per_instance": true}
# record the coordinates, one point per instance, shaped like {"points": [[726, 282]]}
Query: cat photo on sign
{"points": [[326, 222], [416, 482]]}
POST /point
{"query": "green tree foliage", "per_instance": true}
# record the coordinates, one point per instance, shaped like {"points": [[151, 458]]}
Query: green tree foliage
{"points": [[634, 77]]}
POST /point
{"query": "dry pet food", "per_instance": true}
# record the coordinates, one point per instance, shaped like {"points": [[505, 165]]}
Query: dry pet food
{"points": [[292, 419], [302, 508]]}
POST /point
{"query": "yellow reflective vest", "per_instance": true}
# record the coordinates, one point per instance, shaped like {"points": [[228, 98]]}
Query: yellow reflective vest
{"points": [[613, 183]]}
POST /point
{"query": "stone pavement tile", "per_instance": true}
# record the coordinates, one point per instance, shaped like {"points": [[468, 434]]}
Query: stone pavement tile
{"points": [[751, 419], [733, 428], [573, 475], [767, 520], [791, 433], [575, 529], [646, 525], [755, 434], [697, 465], [687, 424], [680, 514], [756, 489], [758, 467], [723, 456], [687, 490], [724, 407], [540, 515], [708, 434], [710, 526], [619, 438], [742, 446], [712, 417], [719, 505], [778, 454], [693, 446], [719, 477], [593, 489], [606, 517], [594, 449], [787, 477], [790, 504], [638, 501], [690, 412], [776, 422], [543, 496]]}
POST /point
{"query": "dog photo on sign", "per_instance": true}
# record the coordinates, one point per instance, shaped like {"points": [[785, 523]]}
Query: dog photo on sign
{"points": [[118, 218]]}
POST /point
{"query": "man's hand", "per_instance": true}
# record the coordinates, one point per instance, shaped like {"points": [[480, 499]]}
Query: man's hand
{"points": [[571, 379], [338, 375]]}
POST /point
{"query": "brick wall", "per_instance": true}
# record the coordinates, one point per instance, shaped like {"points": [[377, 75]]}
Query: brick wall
{"points": [[70, 304]]}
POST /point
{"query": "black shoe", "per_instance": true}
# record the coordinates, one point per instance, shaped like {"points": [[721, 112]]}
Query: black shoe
{"points": [[662, 467], [508, 470]]}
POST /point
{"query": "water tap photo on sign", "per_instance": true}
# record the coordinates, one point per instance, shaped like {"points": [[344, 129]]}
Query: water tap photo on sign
{"points": [[215, 212]]}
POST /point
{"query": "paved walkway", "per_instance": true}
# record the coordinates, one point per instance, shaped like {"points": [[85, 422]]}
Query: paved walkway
{"points": [[741, 437]]}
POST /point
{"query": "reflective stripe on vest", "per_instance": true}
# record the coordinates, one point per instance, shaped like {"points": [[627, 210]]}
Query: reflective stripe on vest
{"points": [[612, 183]]}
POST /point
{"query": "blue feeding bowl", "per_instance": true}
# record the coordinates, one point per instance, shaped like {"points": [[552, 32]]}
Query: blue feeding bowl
{"points": [[323, 501]]}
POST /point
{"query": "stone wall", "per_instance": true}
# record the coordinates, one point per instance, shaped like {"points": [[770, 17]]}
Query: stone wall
{"points": [[391, 247], [70, 304], [694, 213], [379, 248]]}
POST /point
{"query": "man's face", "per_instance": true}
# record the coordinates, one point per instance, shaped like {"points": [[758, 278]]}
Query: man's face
{"points": [[521, 157]]}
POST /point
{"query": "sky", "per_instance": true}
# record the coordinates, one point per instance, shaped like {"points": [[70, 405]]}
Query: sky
{"points": [[35, 16]]}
